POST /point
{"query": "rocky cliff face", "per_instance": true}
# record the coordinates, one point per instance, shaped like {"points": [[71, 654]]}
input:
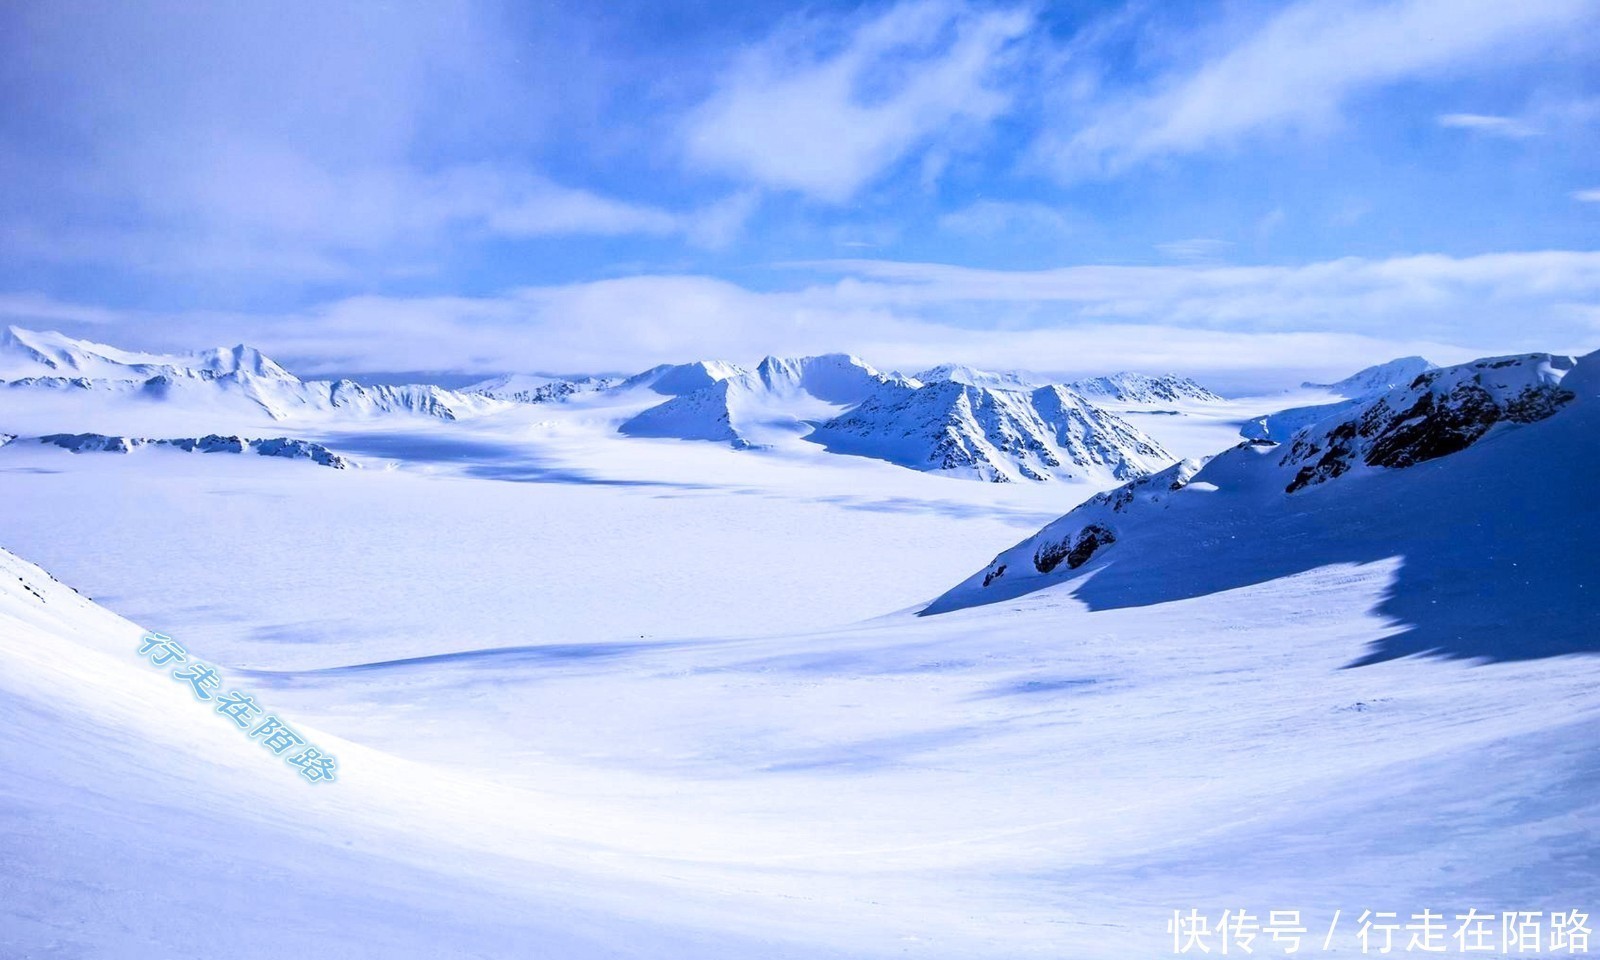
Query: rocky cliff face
{"points": [[1438, 413], [994, 434], [1203, 510]]}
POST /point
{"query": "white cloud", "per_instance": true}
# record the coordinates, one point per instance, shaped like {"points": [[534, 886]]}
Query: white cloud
{"points": [[991, 218], [552, 210], [536, 207], [720, 224], [825, 124], [304, 142], [274, 213], [1432, 294], [1490, 125], [1195, 249], [1270, 222], [1300, 68], [1587, 196], [1230, 324]]}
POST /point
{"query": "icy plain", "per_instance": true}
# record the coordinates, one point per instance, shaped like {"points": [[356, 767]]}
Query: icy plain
{"points": [[601, 696]]}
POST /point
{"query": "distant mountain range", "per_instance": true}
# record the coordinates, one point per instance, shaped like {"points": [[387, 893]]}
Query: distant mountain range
{"points": [[950, 419], [239, 377]]}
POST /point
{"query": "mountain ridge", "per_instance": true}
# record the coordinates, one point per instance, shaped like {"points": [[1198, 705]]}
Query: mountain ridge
{"points": [[1477, 479]]}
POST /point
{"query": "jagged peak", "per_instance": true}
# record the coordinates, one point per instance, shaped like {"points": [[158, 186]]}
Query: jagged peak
{"points": [[1131, 387]]}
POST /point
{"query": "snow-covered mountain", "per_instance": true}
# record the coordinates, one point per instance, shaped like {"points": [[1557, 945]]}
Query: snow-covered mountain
{"points": [[1377, 378], [724, 402], [1118, 388], [1479, 476], [1438, 413], [1357, 387], [832, 378], [677, 379], [973, 377], [1139, 389], [533, 388], [937, 421], [33, 353], [951, 419], [1135, 733], [1283, 424], [239, 378], [993, 434]]}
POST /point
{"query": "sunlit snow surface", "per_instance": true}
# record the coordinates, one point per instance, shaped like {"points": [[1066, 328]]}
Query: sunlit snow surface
{"points": [[598, 696]]}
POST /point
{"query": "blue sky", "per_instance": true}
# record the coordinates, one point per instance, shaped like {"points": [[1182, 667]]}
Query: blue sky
{"points": [[1218, 188]]}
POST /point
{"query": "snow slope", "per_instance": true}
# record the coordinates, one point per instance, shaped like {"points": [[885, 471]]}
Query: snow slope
{"points": [[1438, 413], [1378, 378], [1479, 475], [1048, 777], [1283, 424], [140, 825]]}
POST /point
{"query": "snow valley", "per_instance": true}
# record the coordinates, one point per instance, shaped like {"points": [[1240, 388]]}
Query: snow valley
{"points": [[790, 660]]}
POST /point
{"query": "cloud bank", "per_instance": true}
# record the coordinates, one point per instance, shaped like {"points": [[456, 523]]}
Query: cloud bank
{"points": [[1233, 325]]}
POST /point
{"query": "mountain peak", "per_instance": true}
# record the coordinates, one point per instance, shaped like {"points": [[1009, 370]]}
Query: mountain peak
{"points": [[973, 377], [830, 377], [993, 433], [1377, 378], [677, 379], [25, 353], [1129, 387]]}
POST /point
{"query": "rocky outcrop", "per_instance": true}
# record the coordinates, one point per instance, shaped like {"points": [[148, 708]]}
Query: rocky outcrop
{"points": [[285, 447], [1439, 413], [1091, 527], [1075, 550]]}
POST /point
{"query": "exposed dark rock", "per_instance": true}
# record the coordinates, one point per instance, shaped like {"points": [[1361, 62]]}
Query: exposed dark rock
{"points": [[1430, 419], [211, 443], [1076, 551], [1093, 538]]}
